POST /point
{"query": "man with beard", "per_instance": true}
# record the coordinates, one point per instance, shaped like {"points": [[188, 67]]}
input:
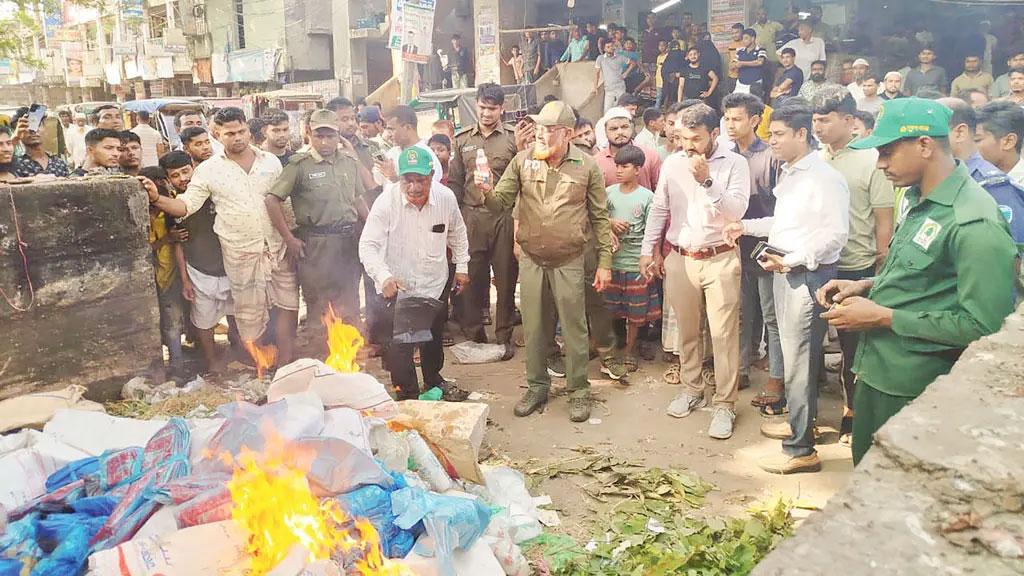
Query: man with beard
{"points": [[702, 191], [261, 277], [195, 141], [805, 236], [583, 136], [560, 197], [892, 85], [35, 160], [102, 153], [618, 127], [204, 284], [130, 160], [276, 135], [491, 233], [816, 82], [327, 196]]}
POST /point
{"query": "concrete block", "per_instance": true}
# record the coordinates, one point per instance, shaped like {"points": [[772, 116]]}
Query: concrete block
{"points": [[94, 320]]}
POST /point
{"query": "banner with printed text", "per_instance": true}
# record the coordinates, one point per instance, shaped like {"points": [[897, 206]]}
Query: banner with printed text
{"points": [[722, 14], [412, 28]]}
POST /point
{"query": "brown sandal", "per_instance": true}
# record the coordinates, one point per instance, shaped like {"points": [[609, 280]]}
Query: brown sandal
{"points": [[765, 398], [671, 376]]}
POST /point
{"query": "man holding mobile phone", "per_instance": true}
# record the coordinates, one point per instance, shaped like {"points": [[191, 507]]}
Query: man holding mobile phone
{"points": [[810, 225], [31, 131]]}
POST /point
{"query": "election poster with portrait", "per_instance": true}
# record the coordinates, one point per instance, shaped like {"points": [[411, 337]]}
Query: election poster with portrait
{"points": [[412, 26]]}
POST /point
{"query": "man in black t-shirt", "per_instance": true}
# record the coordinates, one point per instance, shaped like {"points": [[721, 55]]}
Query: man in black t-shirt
{"points": [[696, 81]]}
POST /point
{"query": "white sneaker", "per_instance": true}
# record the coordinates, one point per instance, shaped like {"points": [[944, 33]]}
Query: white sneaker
{"points": [[721, 423], [684, 403]]}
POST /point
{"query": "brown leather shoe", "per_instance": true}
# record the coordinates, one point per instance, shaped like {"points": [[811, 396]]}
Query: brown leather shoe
{"points": [[777, 429], [786, 464]]}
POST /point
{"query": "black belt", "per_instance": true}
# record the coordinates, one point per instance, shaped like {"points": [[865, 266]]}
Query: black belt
{"points": [[346, 229]]}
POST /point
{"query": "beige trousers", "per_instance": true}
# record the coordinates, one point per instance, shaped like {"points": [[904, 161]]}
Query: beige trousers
{"points": [[712, 286]]}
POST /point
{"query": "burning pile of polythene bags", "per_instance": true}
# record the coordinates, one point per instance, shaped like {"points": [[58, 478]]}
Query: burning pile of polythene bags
{"points": [[395, 490]]}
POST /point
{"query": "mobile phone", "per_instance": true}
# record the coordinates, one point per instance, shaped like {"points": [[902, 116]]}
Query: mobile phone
{"points": [[763, 248], [36, 113]]}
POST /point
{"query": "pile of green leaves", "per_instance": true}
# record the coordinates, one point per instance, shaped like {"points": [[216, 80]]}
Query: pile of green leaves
{"points": [[656, 537]]}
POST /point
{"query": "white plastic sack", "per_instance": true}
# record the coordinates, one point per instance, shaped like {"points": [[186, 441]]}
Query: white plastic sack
{"points": [[348, 425], [96, 432], [360, 391], [24, 470], [508, 490], [470, 352], [161, 524], [478, 560], [37, 409], [217, 548]]}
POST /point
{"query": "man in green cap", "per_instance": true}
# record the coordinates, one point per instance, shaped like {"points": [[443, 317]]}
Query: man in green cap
{"points": [[561, 199], [404, 250], [327, 196], [948, 278]]}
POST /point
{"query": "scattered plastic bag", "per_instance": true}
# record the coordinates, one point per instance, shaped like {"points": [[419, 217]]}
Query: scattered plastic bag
{"points": [[507, 489], [217, 548], [499, 538], [470, 352], [391, 448], [477, 560], [37, 409], [357, 390], [374, 504], [69, 535], [338, 466], [213, 505], [248, 426], [347, 424], [414, 317], [451, 522], [457, 429], [433, 395]]}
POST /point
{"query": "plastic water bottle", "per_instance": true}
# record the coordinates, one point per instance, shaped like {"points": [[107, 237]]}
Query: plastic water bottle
{"points": [[391, 448], [483, 167], [427, 465]]}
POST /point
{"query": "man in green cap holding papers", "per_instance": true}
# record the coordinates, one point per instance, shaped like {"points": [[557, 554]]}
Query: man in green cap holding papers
{"points": [[561, 199], [947, 281], [404, 250]]}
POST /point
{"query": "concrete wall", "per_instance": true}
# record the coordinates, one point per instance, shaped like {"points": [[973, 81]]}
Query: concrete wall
{"points": [[942, 490], [95, 320]]}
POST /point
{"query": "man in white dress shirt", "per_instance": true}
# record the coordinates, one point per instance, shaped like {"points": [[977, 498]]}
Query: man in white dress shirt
{"points": [[403, 122], [806, 236], [237, 181], [700, 192], [404, 250]]}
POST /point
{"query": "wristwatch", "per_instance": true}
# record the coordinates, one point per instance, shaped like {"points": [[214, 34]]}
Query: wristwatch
{"points": [[707, 183]]}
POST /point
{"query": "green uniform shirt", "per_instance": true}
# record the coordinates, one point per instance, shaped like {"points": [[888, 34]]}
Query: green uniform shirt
{"points": [[324, 191], [500, 147], [558, 206], [949, 279]]}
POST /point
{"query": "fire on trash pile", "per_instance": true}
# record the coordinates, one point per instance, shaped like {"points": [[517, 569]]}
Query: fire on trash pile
{"points": [[327, 475]]}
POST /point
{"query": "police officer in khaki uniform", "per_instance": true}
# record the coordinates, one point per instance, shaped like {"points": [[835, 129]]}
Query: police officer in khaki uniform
{"points": [[491, 232], [327, 196]]}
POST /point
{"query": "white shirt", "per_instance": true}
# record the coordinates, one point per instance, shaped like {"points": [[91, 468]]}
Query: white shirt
{"points": [[75, 139], [697, 215], [806, 53], [242, 221], [812, 214], [1017, 173], [409, 244], [396, 151], [646, 138], [150, 138], [872, 105], [855, 90]]}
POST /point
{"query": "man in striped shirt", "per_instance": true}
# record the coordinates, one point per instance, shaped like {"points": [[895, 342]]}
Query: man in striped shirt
{"points": [[403, 248]]}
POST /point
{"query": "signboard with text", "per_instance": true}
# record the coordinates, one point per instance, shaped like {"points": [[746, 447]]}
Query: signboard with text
{"points": [[412, 25]]}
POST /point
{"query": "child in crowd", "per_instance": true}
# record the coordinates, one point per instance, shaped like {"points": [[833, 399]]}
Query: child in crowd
{"points": [[168, 282], [518, 65], [630, 297], [442, 146]]}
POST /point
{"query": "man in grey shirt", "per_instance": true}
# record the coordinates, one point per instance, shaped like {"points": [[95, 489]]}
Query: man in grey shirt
{"points": [[531, 57], [927, 75], [613, 68]]}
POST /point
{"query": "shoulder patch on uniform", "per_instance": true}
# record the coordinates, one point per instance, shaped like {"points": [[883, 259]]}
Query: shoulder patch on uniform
{"points": [[462, 131], [298, 157]]}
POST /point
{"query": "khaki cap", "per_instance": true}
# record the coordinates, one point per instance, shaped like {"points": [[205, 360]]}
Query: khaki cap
{"points": [[556, 113], [323, 119]]}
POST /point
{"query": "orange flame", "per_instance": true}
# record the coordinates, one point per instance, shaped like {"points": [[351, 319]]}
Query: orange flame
{"points": [[263, 356], [343, 341]]}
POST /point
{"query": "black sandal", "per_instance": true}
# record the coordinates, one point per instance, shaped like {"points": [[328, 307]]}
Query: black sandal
{"points": [[777, 408], [846, 431]]}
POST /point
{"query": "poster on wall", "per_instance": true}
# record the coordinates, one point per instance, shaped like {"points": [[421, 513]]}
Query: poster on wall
{"points": [[612, 13], [722, 14], [412, 25], [72, 62], [488, 67]]}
